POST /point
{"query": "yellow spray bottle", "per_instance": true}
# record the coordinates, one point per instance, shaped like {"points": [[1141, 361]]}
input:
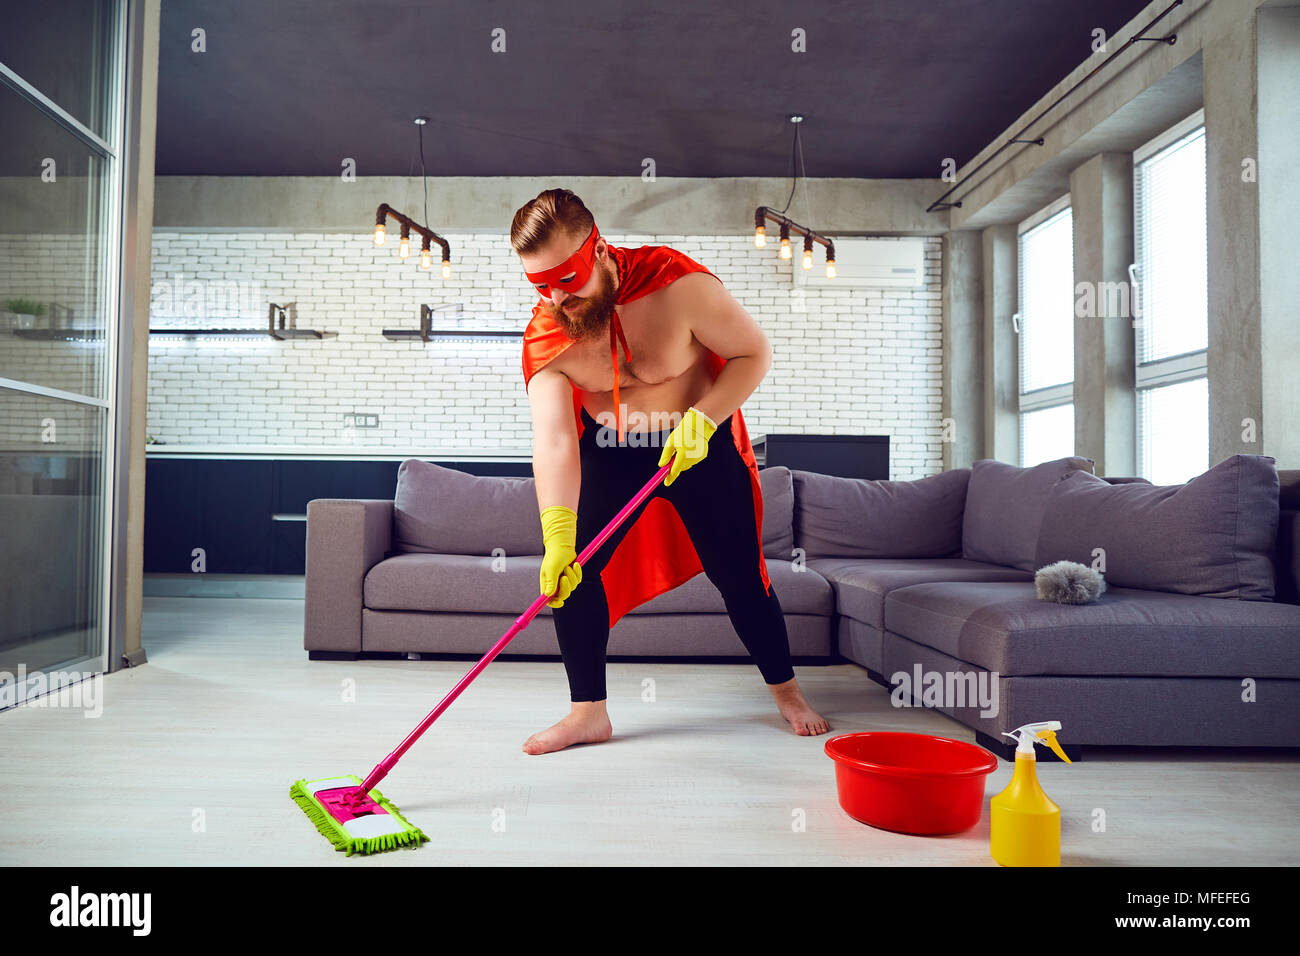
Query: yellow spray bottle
{"points": [[1024, 825]]}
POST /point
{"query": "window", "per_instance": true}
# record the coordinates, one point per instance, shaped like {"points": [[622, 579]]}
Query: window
{"points": [[1170, 304], [1046, 329], [1176, 441], [1047, 434]]}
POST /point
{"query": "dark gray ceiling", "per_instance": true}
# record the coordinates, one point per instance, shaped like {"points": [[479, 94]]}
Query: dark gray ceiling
{"points": [[591, 87]]}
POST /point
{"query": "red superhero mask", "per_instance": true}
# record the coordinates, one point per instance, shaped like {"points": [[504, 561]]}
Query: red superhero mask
{"points": [[571, 274]]}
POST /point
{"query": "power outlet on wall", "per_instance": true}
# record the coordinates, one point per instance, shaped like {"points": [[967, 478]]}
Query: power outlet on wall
{"points": [[360, 420]]}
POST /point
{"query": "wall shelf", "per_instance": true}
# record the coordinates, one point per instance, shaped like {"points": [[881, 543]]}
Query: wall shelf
{"points": [[188, 333], [59, 335], [426, 332], [59, 328], [281, 323]]}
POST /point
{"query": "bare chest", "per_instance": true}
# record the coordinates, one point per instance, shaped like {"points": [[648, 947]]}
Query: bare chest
{"points": [[661, 346]]}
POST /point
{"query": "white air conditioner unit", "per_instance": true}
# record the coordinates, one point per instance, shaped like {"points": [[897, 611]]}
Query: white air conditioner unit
{"points": [[862, 264]]}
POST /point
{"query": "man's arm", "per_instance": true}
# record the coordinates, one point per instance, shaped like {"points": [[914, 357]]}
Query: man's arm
{"points": [[721, 324], [556, 468]]}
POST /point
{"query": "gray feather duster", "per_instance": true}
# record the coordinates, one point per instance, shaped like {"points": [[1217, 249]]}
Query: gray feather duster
{"points": [[1068, 582]]}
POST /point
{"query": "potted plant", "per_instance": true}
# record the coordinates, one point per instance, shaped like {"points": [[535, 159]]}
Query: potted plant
{"points": [[24, 312]]}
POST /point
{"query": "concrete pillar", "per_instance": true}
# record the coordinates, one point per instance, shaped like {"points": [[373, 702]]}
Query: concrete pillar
{"points": [[1105, 408], [1279, 231], [963, 349], [135, 303], [1252, 85], [1001, 352]]}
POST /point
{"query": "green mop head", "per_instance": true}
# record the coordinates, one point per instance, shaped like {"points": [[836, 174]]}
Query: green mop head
{"points": [[372, 826]]}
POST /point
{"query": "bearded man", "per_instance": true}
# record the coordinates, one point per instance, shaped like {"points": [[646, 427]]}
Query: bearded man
{"points": [[682, 355]]}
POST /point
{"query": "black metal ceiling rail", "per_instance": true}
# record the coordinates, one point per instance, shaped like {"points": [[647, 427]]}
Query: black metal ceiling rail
{"points": [[939, 203]]}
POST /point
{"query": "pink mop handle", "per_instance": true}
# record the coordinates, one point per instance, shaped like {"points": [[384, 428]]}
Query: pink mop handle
{"points": [[385, 765]]}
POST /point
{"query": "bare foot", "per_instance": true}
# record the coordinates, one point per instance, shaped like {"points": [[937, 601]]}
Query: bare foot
{"points": [[587, 723], [803, 720]]}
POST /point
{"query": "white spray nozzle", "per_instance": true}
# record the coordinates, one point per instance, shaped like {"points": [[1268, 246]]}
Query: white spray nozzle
{"points": [[1043, 732]]}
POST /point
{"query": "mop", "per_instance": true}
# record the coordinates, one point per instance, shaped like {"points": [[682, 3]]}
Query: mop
{"points": [[356, 817]]}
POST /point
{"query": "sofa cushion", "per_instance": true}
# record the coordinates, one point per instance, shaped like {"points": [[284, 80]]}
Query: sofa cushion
{"points": [[1004, 508], [1003, 627], [800, 592], [777, 485], [636, 635], [439, 510], [858, 517], [861, 584], [468, 583], [1214, 536]]}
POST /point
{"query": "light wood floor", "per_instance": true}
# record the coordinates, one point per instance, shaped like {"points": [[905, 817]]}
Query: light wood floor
{"points": [[229, 712]]}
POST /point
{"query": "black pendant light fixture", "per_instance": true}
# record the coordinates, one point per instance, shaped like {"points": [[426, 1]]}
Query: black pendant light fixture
{"points": [[409, 225], [764, 214]]}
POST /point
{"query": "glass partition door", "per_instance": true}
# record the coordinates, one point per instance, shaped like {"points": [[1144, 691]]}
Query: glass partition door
{"points": [[62, 64]]}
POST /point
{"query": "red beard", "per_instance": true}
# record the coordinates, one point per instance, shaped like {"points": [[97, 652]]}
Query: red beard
{"points": [[585, 318]]}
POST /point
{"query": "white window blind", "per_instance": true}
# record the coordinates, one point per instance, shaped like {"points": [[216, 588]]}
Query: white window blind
{"points": [[1046, 262], [1171, 270], [1170, 248], [1046, 338], [1046, 435], [1174, 431]]}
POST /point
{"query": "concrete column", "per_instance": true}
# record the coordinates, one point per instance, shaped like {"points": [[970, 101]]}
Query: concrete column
{"points": [[1252, 85], [1279, 231], [1001, 352], [1105, 413], [963, 349], [135, 303]]}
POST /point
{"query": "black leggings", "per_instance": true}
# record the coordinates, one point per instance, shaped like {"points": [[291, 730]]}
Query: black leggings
{"points": [[715, 501]]}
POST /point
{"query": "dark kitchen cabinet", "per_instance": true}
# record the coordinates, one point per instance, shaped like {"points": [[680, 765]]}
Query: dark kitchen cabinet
{"points": [[250, 515], [222, 506]]}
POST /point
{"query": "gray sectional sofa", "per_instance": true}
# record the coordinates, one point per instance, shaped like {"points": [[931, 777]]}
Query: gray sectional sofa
{"points": [[929, 585]]}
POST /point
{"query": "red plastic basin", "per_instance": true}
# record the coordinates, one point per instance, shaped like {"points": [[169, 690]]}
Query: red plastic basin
{"points": [[910, 783]]}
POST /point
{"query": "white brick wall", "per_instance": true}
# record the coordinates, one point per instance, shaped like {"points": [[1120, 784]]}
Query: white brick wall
{"points": [[852, 361]]}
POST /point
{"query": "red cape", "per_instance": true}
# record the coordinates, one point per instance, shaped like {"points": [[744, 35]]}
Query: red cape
{"points": [[657, 554]]}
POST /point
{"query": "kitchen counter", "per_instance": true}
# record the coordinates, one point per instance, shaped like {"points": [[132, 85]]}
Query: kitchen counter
{"points": [[246, 508], [334, 453], [329, 453]]}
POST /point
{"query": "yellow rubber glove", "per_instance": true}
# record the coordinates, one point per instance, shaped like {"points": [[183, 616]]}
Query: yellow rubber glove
{"points": [[688, 443], [559, 569]]}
